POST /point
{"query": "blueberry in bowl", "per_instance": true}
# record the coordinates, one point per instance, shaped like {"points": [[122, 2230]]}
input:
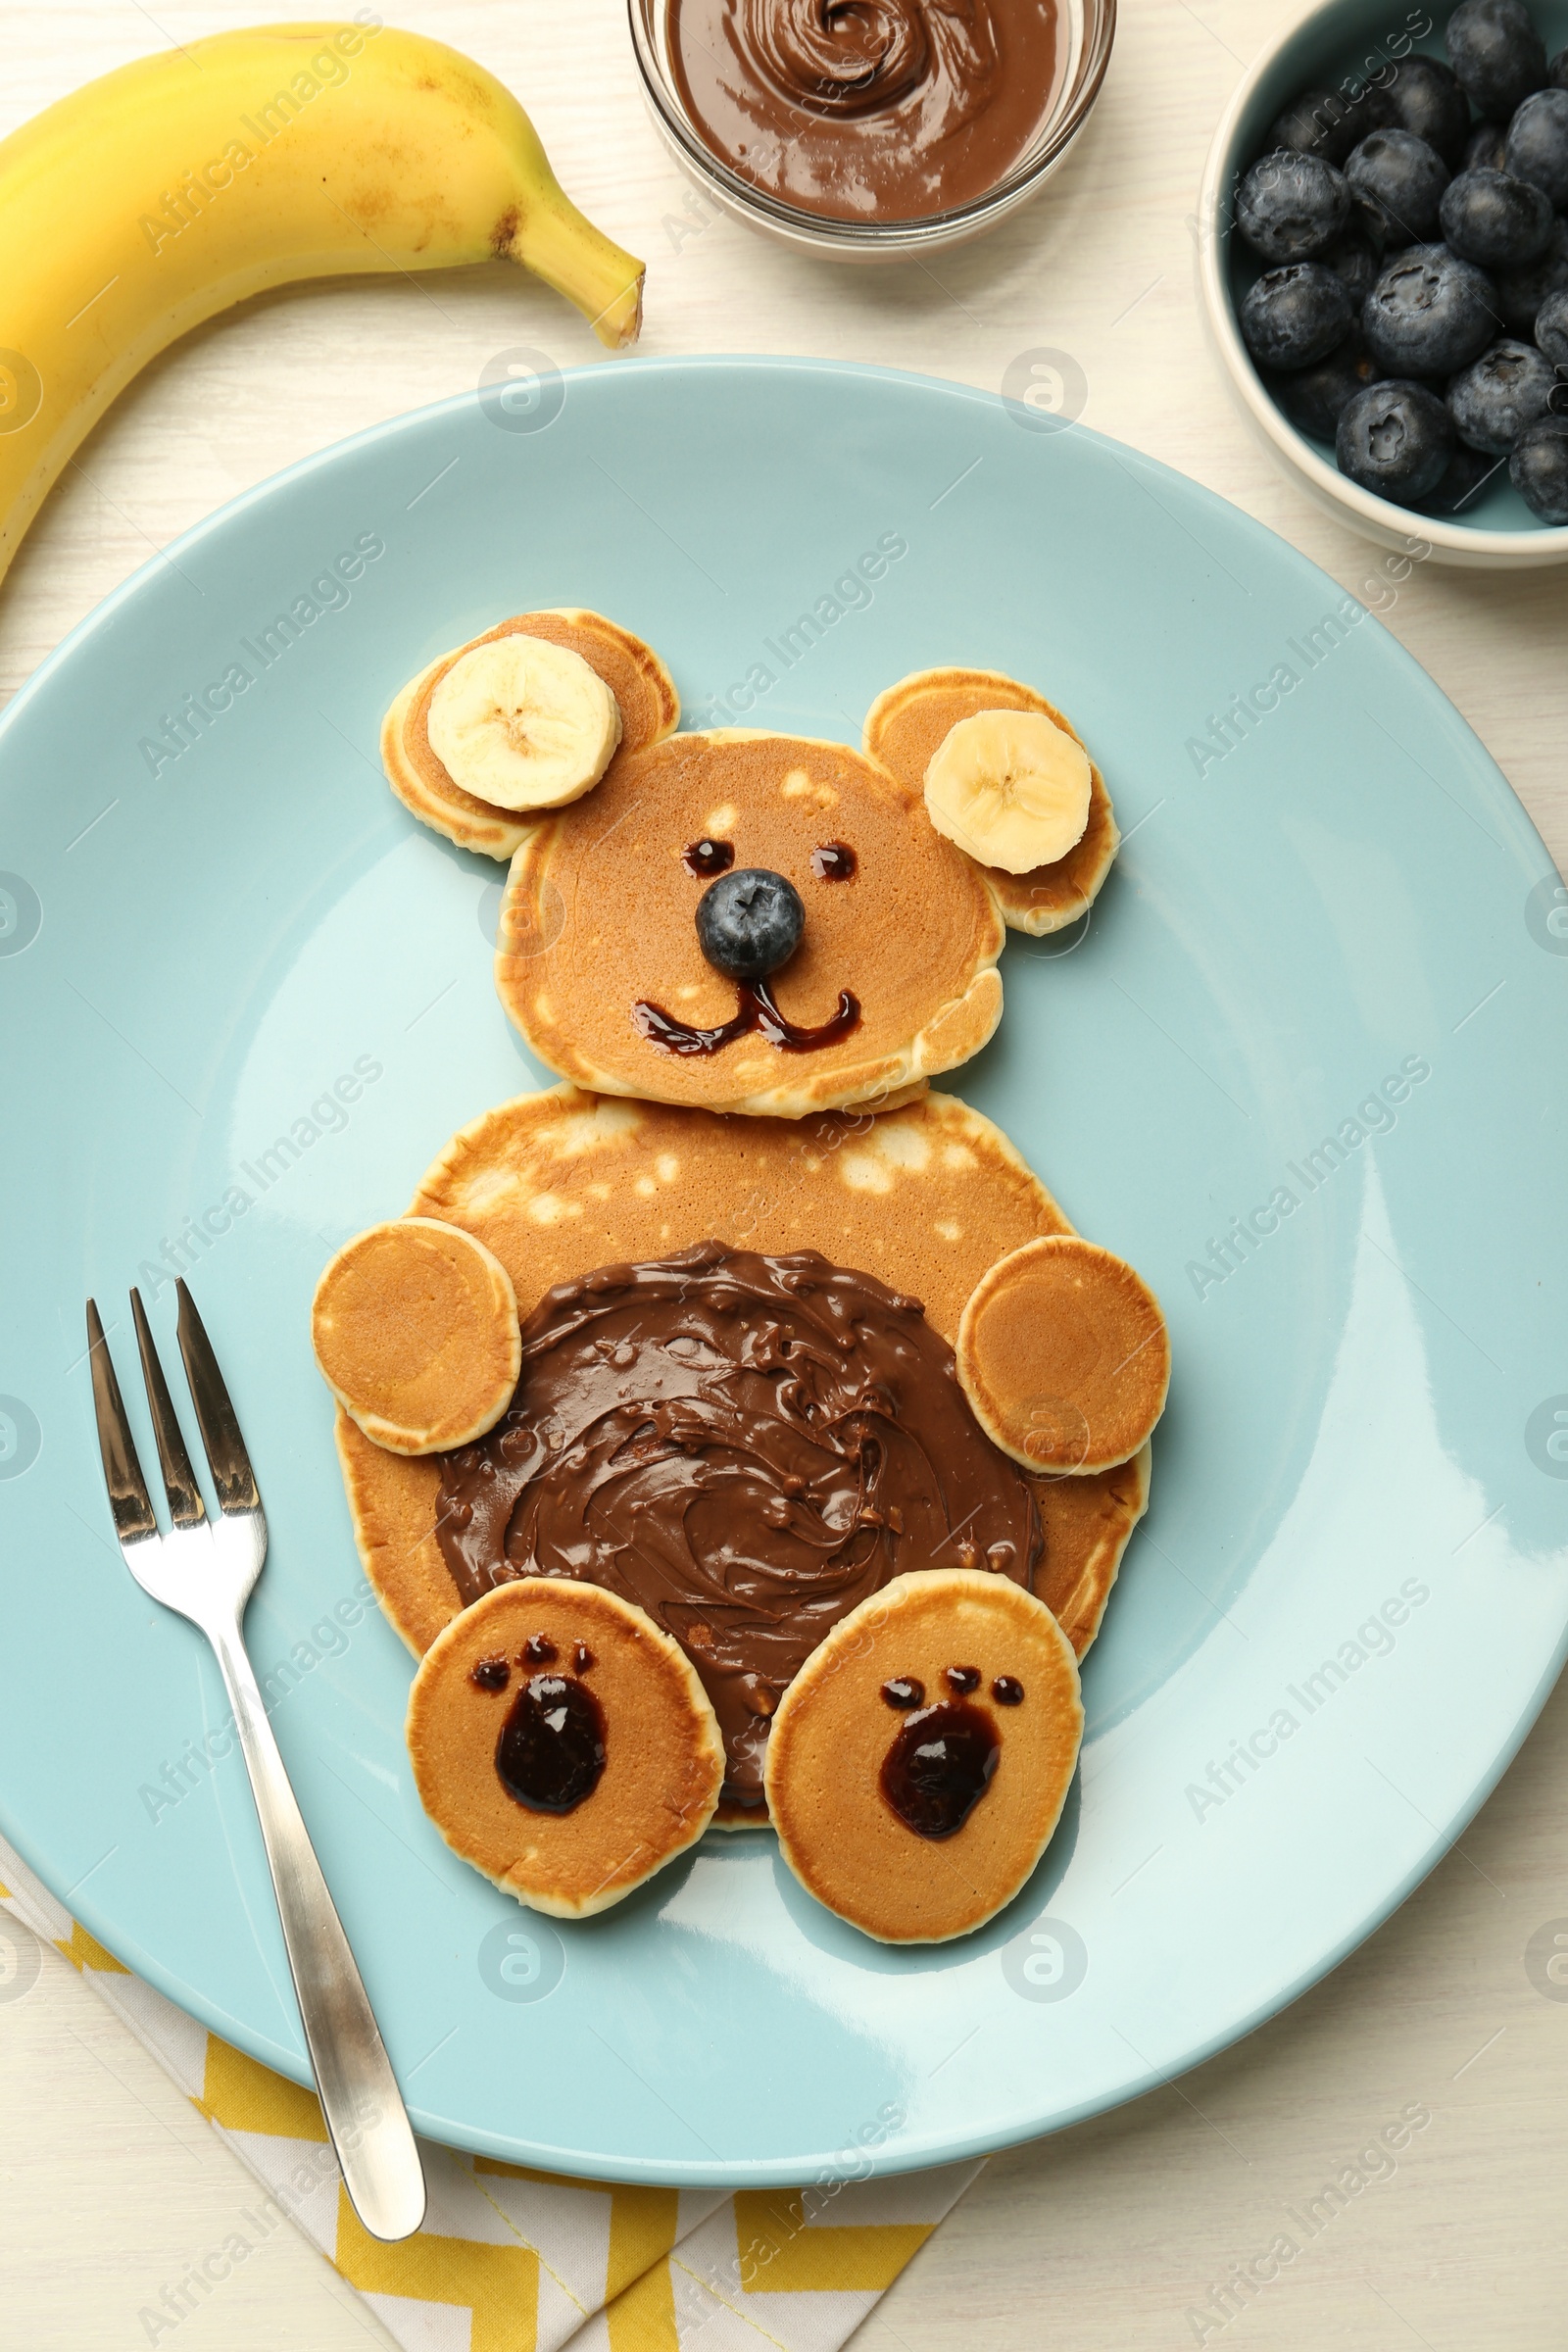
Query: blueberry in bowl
{"points": [[1315, 398], [1396, 439], [1536, 148], [1492, 401], [1551, 330], [1426, 96], [1538, 468], [1494, 220], [1328, 124], [1430, 313], [1468, 474], [1296, 315], [1522, 291], [1498, 56], [1401, 180], [1291, 208], [1486, 148], [1359, 263]]}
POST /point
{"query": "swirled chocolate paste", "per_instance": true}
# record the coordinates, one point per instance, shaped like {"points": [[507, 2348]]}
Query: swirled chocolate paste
{"points": [[868, 110], [745, 1446]]}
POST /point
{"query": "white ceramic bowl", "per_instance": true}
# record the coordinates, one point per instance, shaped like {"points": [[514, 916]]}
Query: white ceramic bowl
{"points": [[1340, 38]]}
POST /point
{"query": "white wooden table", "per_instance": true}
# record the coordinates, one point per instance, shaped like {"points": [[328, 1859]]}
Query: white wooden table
{"points": [[110, 2185]]}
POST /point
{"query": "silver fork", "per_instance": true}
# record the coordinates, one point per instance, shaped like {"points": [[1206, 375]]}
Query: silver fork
{"points": [[207, 1570]]}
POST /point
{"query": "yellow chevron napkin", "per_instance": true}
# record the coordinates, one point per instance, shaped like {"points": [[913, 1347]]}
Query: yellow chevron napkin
{"points": [[511, 2260]]}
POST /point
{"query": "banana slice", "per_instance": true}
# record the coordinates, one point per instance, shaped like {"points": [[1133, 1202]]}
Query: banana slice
{"points": [[523, 724], [1010, 788]]}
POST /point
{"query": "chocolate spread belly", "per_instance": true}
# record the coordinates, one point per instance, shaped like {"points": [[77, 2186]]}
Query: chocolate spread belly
{"points": [[746, 1448], [868, 110]]}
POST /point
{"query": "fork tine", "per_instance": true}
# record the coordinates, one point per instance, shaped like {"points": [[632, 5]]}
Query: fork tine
{"points": [[128, 1498], [186, 1506], [232, 1475]]}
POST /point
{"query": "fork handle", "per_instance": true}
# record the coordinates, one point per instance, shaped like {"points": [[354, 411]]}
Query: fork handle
{"points": [[362, 2105]]}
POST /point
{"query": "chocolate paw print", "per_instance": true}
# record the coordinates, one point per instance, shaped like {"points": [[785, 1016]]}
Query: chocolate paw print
{"points": [[923, 1838], [566, 1788], [940, 1765]]}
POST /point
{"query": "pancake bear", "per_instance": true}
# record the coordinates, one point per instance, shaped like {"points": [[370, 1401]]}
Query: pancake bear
{"points": [[814, 1372]]}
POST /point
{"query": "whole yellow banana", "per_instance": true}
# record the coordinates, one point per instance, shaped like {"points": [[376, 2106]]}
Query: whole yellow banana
{"points": [[174, 187]]}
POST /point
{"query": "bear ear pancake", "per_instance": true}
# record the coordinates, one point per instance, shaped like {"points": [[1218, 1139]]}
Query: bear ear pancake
{"points": [[650, 707], [906, 725], [643, 688]]}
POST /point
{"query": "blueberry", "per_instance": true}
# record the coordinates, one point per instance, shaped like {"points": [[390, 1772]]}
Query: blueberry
{"points": [[1538, 468], [1296, 315], [1402, 180], [1551, 327], [1396, 439], [1498, 54], [1505, 390], [1467, 475], [1429, 313], [1290, 207], [1495, 220], [1425, 97], [1315, 399], [750, 923], [1538, 144], [1356, 260], [1325, 122], [1521, 292], [1488, 147]]}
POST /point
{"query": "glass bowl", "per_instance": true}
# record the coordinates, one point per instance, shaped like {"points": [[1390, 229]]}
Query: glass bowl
{"points": [[1089, 28]]}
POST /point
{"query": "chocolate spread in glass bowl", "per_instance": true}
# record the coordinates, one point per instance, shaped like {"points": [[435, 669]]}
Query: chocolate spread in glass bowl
{"points": [[868, 110]]}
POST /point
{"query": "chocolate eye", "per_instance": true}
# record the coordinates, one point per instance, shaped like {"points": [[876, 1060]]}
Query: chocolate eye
{"points": [[904, 1693], [834, 862], [964, 1677], [704, 859], [1008, 1691]]}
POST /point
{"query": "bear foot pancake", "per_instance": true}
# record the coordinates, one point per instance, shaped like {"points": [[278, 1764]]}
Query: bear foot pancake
{"points": [[1064, 1355], [743, 1446], [921, 1759], [633, 673], [906, 728], [414, 1326], [600, 967], [562, 1745]]}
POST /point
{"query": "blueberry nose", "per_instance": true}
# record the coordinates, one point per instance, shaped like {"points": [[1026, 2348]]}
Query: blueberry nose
{"points": [[749, 923]]}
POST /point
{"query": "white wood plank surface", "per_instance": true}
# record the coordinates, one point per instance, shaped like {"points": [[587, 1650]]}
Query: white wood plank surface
{"points": [[1106, 2237]]}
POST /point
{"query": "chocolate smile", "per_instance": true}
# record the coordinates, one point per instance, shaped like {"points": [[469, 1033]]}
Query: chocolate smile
{"points": [[757, 1010]]}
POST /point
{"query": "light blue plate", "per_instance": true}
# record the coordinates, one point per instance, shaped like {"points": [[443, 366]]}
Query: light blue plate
{"points": [[244, 1000]]}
